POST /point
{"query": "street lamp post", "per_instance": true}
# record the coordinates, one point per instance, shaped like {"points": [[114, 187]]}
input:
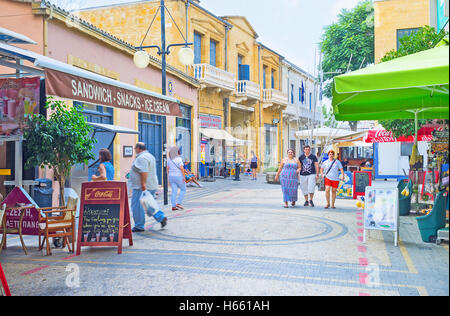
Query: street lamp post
{"points": [[142, 59]]}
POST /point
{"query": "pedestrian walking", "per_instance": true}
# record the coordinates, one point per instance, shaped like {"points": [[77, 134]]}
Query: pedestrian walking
{"points": [[105, 170], [143, 180], [177, 179], [309, 174], [288, 171], [331, 167], [345, 164], [254, 165]]}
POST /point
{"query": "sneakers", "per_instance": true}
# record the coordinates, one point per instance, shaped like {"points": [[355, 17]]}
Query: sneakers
{"points": [[138, 230], [311, 203], [306, 203], [164, 222]]}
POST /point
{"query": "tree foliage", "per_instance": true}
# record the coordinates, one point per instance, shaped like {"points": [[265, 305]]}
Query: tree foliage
{"points": [[59, 141], [425, 38], [351, 39]]}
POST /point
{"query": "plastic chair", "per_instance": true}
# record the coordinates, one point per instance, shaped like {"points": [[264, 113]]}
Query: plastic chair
{"points": [[404, 206], [431, 223]]}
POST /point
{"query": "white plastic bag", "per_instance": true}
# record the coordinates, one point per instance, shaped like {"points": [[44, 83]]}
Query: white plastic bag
{"points": [[148, 201]]}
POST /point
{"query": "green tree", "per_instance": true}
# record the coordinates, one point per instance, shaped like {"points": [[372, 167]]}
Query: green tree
{"points": [[328, 118], [425, 38], [348, 44], [59, 141]]}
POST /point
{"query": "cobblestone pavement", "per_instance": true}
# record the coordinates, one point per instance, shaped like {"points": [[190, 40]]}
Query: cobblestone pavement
{"points": [[236, 239]]}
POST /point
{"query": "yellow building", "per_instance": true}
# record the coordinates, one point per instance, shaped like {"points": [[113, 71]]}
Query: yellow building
{"points": [[397, 18], [240, 100]]}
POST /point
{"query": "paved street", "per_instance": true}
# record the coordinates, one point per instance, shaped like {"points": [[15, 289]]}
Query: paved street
{"points": [[235, 238]]}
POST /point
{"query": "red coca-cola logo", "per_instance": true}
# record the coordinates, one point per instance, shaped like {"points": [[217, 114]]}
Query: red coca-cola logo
{"points": [[383, 133]]}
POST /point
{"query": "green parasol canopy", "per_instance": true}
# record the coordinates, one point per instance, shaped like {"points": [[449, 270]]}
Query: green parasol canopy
{"points": [[414, 86]]}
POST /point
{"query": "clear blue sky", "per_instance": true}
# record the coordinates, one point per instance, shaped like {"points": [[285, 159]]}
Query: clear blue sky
{"points": [[292, 28]]}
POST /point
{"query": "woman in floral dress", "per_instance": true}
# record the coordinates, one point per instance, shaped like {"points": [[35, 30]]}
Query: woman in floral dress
{"points": [[288, 171]]}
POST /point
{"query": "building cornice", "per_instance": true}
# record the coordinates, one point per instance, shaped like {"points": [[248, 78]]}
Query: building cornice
{"points": [[49, 11]]}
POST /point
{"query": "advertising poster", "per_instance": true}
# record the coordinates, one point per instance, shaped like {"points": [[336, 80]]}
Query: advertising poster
{"points": [[381, 209], [345, 189], [18, 99]]}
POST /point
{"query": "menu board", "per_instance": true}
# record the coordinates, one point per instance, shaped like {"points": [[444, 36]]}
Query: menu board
{"points": [[30, 223], [440, 141], [100, 223], [361, 180], [18, 99], [381, 209], [104, 215]]}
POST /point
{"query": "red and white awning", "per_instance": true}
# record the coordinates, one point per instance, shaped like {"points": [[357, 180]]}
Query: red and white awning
{"points": [[383, 136]]}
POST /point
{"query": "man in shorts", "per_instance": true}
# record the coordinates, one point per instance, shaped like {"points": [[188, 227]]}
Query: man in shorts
{"points": [[308, 175]]}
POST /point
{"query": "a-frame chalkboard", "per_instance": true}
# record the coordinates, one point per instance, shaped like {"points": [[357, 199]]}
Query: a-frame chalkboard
{"points": [[104, 215]]}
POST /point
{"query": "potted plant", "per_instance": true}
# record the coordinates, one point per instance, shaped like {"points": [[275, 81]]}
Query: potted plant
{"points": [[58, 141]]}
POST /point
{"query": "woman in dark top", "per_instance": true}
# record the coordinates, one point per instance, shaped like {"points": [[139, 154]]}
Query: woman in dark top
{"points": [[106, 169]]}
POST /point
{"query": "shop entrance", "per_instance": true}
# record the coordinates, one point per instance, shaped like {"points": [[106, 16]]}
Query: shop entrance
{"points": [[150, 133]]}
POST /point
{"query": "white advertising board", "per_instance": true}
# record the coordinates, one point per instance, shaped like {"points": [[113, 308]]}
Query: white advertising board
{"points": [[381, 210]]}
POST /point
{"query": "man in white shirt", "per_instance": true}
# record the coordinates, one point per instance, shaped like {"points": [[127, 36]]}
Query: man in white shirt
{"points": [[143, 178]]}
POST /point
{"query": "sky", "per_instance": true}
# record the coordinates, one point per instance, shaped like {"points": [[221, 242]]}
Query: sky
{"points": [[292, 28]]}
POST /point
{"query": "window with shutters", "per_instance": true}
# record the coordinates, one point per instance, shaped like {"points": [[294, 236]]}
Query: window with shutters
{"points": [[197, 48], [213, 53]]}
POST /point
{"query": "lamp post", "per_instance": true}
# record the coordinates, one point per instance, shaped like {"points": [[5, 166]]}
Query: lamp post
{"points": [[142, 60]]}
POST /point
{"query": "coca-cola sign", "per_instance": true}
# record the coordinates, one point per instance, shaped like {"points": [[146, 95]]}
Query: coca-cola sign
{"points": [[383, 136]]}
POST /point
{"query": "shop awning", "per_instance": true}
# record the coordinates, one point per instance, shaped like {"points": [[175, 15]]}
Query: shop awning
{"points": [[323, 132], [397, 89], [105, 134], [66, 81], [8, 36], [382, 136], [221, 134], [113, 128]]}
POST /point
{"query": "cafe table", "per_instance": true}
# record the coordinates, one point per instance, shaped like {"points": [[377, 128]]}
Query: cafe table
{"points": [[18, 230]]}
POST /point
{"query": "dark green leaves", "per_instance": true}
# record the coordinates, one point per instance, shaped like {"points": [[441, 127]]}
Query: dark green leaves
{"points": [[59, 142]]}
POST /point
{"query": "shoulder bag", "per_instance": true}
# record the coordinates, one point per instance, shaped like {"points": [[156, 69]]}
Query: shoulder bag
{"points": [[322, 180]]}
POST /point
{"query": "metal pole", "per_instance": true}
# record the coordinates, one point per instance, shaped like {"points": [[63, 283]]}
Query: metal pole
{"points": [[164, 92]]}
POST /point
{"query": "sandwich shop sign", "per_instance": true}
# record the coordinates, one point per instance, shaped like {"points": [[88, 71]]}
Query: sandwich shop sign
{"points": [[86, 90]]}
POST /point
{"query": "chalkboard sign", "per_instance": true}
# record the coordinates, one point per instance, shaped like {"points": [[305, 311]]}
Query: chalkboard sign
{"points": [[361, 180], [381, 211], [104, 215], [101, 223]]}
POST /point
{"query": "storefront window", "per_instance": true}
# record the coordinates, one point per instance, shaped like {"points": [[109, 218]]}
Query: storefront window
{"points": [[356, 152]]}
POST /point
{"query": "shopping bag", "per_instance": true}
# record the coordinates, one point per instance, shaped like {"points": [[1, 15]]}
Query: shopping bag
{"points": [[151, 207]]}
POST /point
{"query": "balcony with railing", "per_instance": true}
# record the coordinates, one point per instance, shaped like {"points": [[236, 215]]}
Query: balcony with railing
{"points": [[213, 77], [272, 97], [247, 92]]}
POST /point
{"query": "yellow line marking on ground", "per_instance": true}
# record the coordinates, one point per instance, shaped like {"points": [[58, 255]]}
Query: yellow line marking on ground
{"points": [[422, 291], [408, 260]]}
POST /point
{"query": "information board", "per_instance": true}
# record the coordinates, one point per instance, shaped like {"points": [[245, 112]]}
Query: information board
{"points": [[381, 210], [30, 223], [104, 215], [361, 180]]}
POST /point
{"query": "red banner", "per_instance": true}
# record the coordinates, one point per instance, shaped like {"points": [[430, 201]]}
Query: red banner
{"points": [[383, 136]]}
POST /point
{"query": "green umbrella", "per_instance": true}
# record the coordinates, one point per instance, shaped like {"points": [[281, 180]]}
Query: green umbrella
{"points": [[410, 87]]}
